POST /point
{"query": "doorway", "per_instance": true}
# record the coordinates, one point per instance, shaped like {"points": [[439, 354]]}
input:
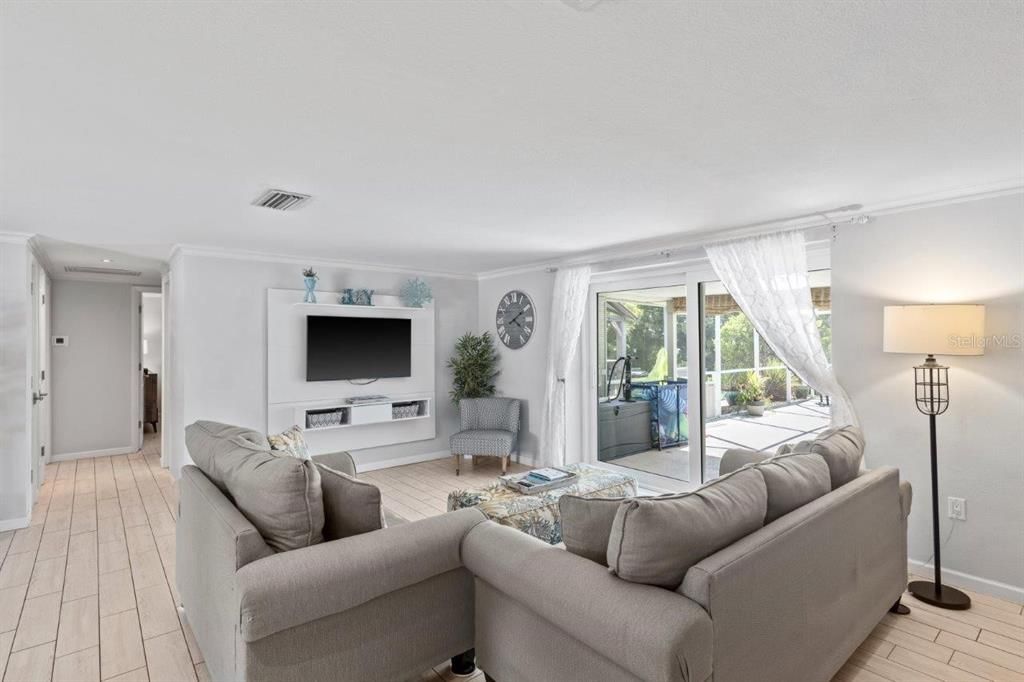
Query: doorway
{"points": [[151, 380], [642, 395]]}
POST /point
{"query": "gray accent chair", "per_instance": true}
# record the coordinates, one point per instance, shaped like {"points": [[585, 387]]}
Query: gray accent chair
{"points": [[383, 605], [490, 428], [790, 601]]}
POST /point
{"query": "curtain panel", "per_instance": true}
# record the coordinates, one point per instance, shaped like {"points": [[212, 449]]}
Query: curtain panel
{"points": [[568, 306], [767, 277]]}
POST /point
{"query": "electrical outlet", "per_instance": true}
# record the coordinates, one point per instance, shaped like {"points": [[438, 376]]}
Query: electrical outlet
{"points": [[957, 508]]}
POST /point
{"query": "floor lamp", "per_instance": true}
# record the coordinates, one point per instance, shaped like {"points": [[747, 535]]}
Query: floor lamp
{"points": [[927, 330]]}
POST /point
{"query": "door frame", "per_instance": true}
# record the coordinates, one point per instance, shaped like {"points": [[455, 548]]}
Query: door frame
{"points": [[674, 275], [136, 362], [40, 376]]}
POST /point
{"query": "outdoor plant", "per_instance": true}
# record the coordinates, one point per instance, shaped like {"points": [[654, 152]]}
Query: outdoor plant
{"points": [[751, 391], [775, 383], [474, 367]]}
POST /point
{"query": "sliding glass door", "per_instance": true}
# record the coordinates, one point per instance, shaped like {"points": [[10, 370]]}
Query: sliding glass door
{"points": [[677, 375], [641, 382]]}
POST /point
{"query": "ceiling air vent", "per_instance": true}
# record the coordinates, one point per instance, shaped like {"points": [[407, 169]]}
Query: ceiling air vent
{"points": [[280, 200], [89, 270]]}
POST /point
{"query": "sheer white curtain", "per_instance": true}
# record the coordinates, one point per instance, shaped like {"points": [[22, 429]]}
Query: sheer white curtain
{"points": [[568, 305], [767, 277]]}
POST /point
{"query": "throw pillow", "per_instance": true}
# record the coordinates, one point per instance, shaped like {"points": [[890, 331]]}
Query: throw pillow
{"points": [[290, 442], [792, 481], [842, 448], [280, 496], [656, 540], [351, 506], [587, 523]]}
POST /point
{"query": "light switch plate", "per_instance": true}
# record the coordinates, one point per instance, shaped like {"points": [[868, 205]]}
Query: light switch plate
{"points": [[957, 508]]}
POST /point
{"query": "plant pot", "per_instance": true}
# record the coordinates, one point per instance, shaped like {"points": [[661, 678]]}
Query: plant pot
{"points": [[756, 409]]}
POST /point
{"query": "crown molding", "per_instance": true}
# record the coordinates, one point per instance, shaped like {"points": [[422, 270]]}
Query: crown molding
{"points": [[15, 237], [659, 249], [179, 250]]}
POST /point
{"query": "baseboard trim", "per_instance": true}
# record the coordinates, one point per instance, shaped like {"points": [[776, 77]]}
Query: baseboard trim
{"points": [[400, 461], [14, 524], [86, 454], [971, 582]]}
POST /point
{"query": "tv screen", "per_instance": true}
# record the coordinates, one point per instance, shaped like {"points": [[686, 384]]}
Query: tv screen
{"points": [[357, 348]]}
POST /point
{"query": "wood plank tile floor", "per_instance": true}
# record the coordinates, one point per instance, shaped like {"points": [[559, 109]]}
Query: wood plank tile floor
{"points": [[87, 590]]}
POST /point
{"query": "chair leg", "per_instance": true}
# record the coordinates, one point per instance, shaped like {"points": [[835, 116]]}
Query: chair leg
{"points": [[504, 465], [458, 461]]}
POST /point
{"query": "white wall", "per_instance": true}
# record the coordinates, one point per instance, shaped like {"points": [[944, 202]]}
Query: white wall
{"points": [[91, 386], [15, 392], [970, 252], [522, 371], [219, 348]]}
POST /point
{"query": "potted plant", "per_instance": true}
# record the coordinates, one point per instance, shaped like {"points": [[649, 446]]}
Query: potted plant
{"points": [[474, 366], [309, 278], [752, 395]]}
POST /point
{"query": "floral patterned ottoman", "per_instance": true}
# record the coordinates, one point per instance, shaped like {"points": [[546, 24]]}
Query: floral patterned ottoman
{"points": [[537, 515]]}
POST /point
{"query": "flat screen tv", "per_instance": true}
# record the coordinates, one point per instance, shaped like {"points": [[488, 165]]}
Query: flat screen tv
{"points": [[357, 348]]}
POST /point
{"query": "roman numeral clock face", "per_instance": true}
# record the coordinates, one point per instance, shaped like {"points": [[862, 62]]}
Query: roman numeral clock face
{"points": [[515, 319]]}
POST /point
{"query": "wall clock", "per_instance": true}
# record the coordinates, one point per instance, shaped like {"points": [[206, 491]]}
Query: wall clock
{"points": [[515, 319]]}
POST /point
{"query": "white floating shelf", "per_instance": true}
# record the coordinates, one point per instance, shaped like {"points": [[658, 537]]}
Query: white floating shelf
{"points": [[354, 415], [347, 306]]}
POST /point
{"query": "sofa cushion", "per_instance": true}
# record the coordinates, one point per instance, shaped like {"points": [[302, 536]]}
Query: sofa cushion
{"points": [[792, 481], [655, 540], [280, 496], [351, 506], [587, 523], [842, 448]]}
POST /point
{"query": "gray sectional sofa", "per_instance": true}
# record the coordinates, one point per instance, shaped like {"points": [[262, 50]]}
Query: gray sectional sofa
{"points": [[777, 571]]}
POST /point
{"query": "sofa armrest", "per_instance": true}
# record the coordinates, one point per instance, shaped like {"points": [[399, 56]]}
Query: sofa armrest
{"points": [[339, 461], [906, 498], [303, 585], [735, 458], [654, 633]]}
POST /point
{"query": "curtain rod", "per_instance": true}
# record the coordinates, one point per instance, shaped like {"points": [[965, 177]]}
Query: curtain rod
{"points": [[701, 238]]}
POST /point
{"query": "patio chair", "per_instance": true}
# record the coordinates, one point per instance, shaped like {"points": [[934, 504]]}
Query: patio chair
{"points": [[490, 428]]}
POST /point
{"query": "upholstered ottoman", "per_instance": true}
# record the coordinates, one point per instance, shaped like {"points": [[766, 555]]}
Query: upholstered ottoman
{"points": [[537, 514]]}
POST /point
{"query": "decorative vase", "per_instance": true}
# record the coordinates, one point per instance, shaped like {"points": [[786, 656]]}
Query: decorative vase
{"points": [[310, 289], [363, 297], [415, 293]]}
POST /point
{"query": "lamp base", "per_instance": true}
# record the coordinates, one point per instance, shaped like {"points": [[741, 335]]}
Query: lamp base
{"points": [[945, 597]]}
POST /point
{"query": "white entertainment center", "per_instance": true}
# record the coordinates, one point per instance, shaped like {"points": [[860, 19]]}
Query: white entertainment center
{"points": [[400, 410]]}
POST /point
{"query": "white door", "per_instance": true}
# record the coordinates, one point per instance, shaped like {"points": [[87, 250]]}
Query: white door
{"points": [[40, 378]]}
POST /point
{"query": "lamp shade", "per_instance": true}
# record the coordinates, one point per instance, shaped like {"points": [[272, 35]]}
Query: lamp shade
{"points": [[934, 329]]}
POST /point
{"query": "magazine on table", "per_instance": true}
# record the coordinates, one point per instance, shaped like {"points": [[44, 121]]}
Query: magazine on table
{"points": [[539, 480]]}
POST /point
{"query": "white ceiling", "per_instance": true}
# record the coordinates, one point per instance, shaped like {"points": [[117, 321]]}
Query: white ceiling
{"points": [[469, 136]]}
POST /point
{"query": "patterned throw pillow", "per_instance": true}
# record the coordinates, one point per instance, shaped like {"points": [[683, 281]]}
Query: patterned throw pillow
{"points": [[290, 443]]}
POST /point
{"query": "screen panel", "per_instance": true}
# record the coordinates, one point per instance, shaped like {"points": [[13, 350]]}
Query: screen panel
{"points": [[339, 348]]}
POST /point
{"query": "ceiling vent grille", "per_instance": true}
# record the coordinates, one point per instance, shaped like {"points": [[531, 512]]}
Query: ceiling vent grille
{"points": [[89, 270], [280, 200]]}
